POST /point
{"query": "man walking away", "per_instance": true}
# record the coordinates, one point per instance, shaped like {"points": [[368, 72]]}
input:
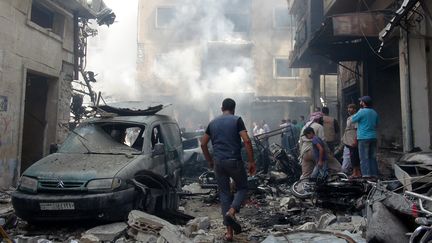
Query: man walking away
{"points": [[367, 120], [225, 133], [331, 129], [350, 141]]}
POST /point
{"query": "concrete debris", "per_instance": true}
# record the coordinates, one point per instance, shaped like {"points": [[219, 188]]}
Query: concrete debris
{"points": [[89, 238], [204, 239], [195, 188], [288, 202], [143, 237], [309, 226], [383, 226], [311, 237], [201, 223], [172, 234], [146, 223], [108, 232], [326, 220]]}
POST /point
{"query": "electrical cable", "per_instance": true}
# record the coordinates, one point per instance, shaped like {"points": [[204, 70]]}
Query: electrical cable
{"points": [[364, 36]]}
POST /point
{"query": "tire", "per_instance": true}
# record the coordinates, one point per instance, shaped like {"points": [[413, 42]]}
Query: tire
{"points": [[303, 188]]}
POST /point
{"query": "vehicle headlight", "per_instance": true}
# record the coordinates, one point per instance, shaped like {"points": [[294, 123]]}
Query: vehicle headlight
{"points": [[104, 184], [28, 184]]}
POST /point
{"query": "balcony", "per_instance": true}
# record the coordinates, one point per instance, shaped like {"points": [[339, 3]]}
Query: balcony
{"points": [[332, 7]]}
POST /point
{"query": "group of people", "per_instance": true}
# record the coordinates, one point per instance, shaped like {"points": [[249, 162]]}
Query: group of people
{"points": [[317, 141], [320, 137]]}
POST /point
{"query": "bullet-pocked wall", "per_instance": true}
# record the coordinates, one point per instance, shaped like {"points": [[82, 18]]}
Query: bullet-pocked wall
{"points": [[36, 67]]}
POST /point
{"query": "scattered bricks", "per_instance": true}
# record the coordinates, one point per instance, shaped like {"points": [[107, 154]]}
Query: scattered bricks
{"points": [[108, 232]]}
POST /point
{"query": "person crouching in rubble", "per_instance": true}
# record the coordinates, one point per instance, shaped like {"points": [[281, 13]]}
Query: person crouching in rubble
{"points": [[226, 132], [306, 157], [319, 152]]}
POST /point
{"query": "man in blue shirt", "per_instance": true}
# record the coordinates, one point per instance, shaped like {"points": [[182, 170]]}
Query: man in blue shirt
{"points": [[367, 120], [226, 132]]}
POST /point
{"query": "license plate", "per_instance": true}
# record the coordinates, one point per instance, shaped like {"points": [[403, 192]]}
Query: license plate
{"points": [[57, 206]]}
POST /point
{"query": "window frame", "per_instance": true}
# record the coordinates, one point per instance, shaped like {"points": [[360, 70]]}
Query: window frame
{"points": [[156, 25], [275, 70]]}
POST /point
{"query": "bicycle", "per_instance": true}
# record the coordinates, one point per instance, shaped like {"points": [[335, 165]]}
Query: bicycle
{"points": [[422, 233]]}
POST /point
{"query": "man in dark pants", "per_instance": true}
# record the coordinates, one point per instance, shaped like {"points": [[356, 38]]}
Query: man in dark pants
{"points": [[226, 132]]}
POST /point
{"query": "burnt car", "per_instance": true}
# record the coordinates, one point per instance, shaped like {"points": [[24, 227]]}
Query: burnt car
{"points": [[105, 168]]}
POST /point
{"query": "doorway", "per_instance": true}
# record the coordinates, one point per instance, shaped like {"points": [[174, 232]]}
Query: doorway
{"points": [[35, 122]]}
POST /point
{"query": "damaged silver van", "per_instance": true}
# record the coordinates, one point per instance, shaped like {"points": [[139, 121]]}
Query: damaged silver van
{"points": [[105, 168]]}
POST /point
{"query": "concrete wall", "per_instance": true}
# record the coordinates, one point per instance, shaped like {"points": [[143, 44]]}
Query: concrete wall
{"points": [[419, 66], [26, 47]]}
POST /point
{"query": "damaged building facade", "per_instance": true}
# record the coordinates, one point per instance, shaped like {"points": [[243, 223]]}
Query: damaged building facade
{"points": [[234, 48], [38, 54], [379, 48]]}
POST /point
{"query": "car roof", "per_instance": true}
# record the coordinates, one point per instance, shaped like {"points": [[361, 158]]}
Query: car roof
{"points": [[132, 119]]}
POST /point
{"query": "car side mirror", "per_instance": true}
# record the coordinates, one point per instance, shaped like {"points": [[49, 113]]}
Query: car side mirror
{"points": [[159, 149], [53, 148]]}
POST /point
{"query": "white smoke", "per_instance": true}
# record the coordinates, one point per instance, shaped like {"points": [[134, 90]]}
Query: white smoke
{"points": [[112, 53]]}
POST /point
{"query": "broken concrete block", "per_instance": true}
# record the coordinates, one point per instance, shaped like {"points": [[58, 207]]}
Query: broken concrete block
{"points": [[172, 234], [108, 232], [307, 226], [147, 223], [89, 238], [204, 239], [288, 202], [383, 226], [326, 220]]}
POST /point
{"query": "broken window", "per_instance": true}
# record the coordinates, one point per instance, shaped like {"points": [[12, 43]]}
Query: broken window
{"points": [[105, 138], [240, 21], [156, 136], [164, 16], [46, 18], [281, 18], [282, 70], [173, 135]]}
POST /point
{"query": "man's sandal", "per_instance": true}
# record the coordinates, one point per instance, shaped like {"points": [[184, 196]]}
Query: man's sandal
{"points": [[233, 223], [226, 238]]}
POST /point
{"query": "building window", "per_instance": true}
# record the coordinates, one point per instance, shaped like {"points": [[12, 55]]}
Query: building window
{"points": [[47, 19], [240, 21], [282, 70], [164, 16], [281, 18]]}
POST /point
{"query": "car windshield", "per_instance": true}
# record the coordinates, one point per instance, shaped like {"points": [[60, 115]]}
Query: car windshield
{"points": [[105, 138]]}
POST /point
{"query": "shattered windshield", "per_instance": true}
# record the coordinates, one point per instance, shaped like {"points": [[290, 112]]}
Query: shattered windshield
{"points": [[105, 138]]}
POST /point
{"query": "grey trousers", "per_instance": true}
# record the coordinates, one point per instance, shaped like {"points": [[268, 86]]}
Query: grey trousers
{"points": [[235, 169]]}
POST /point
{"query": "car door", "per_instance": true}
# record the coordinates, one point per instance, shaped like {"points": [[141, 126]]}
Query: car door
{"points": [[173, 151], [158, 164]]}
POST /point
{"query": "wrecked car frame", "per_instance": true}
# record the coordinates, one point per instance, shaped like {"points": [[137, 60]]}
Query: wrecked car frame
{"points": [[105, 168]]}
